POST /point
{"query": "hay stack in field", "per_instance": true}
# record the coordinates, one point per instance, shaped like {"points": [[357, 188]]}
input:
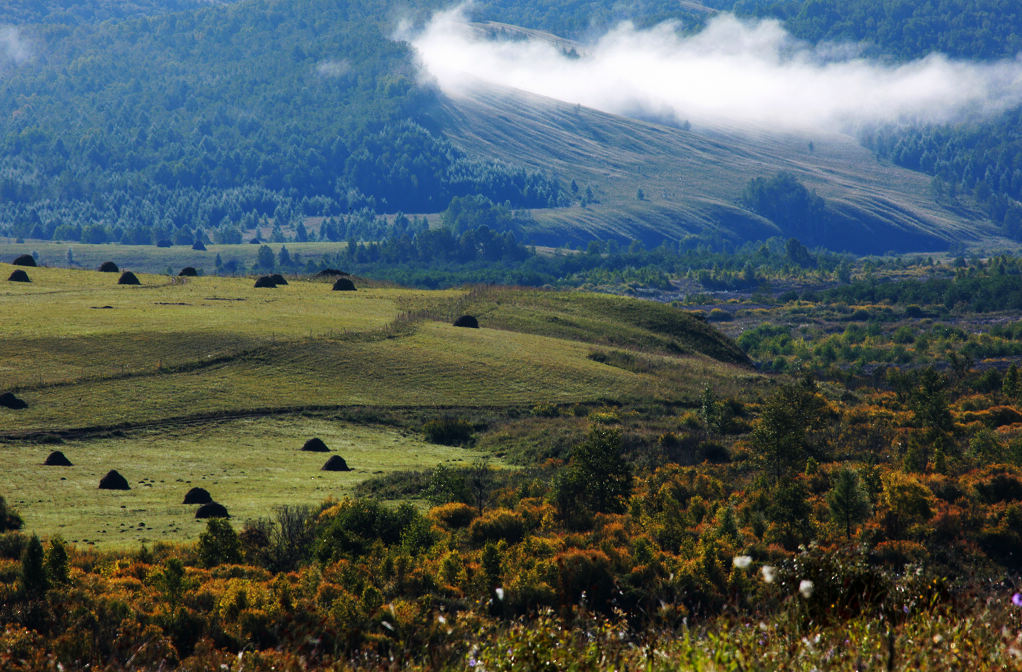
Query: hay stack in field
{"points": [[336, 463], [188, 272], [344, 285], [316, 445], [25, 260], [19, 276], [57, 459], [198, 496], [113, 481], [8, 400], [265, 281], [278, 279], [108, 267], [128, 278], [212, 510], [467, 321]]}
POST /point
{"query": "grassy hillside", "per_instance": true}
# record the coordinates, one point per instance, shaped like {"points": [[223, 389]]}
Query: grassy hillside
{"points": [[693, 179], [158, 380]]}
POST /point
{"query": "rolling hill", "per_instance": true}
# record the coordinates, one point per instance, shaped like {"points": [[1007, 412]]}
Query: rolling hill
{"points": [[212, 380], [692, 178]]}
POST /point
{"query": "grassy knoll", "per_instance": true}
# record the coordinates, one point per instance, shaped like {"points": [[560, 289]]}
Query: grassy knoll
{"points": [[250, 465]]}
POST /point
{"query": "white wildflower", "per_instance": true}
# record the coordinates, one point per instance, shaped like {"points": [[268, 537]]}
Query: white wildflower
{"points": [[805, 587], [769, 573], [742, 561]]}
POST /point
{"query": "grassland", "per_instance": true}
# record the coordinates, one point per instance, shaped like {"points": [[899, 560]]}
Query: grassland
{"points": [[692, 178], [250, 464], [211, 381], [158, 260]]}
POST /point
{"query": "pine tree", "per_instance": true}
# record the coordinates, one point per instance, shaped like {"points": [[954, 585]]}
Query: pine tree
{"points": [[33, 573], [848, 501]]}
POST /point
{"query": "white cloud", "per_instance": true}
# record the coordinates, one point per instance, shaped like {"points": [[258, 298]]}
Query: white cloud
{"points": [[333, 68], [13, 45], [733, 71]]}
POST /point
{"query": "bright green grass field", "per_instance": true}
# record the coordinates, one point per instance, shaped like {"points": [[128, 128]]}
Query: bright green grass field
{"points": [[171, 362], [248, 465]]}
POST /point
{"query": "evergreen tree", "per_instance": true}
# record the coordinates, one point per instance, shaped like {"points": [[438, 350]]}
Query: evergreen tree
{"points": [[219, 544], [33, 573], [848, 501]]}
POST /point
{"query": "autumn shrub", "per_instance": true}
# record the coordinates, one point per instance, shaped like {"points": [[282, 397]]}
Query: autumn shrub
{"points": [[12, 544], [453, 516], [448, 431], [584, 576], [496, 525]]}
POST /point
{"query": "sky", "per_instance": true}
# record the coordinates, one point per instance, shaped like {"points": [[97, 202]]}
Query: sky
{"points": [[733, 72]]}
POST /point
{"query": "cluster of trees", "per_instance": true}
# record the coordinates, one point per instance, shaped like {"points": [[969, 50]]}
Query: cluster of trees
{"points": [[785, 201], [982, 159], [981, 287], [213, 118]]}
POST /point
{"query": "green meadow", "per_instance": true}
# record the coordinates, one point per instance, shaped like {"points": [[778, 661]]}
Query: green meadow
{"points": [[210, 381], [250, 464]]}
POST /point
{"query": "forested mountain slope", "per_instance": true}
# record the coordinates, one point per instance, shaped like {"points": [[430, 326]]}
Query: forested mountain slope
{"points": [[144, 122]]}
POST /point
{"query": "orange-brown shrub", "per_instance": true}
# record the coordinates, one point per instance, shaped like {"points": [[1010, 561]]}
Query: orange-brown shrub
{"points": [[453, 516]]}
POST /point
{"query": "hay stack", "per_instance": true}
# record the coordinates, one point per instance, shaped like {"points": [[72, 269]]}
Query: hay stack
{"points": [[344, 285], [128, 278], [329, 273], [19, 276], [8, 400], [315, 445], [113, 481], [57, 459], [198, 496], [336, 463], [212, 510], [108, 267], [467, 321], [278, 279], [25, 260], [188, 272], [265, 281]]}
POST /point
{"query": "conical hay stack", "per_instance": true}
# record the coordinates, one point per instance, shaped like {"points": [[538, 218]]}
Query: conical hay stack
{"points": [[57, 459], [198, 496], [336, 463], [113, 481], [212, 510], [316, 445]]}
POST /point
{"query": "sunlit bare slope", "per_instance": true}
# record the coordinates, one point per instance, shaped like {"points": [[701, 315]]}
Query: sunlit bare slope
{"points": [[692, 179]]}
